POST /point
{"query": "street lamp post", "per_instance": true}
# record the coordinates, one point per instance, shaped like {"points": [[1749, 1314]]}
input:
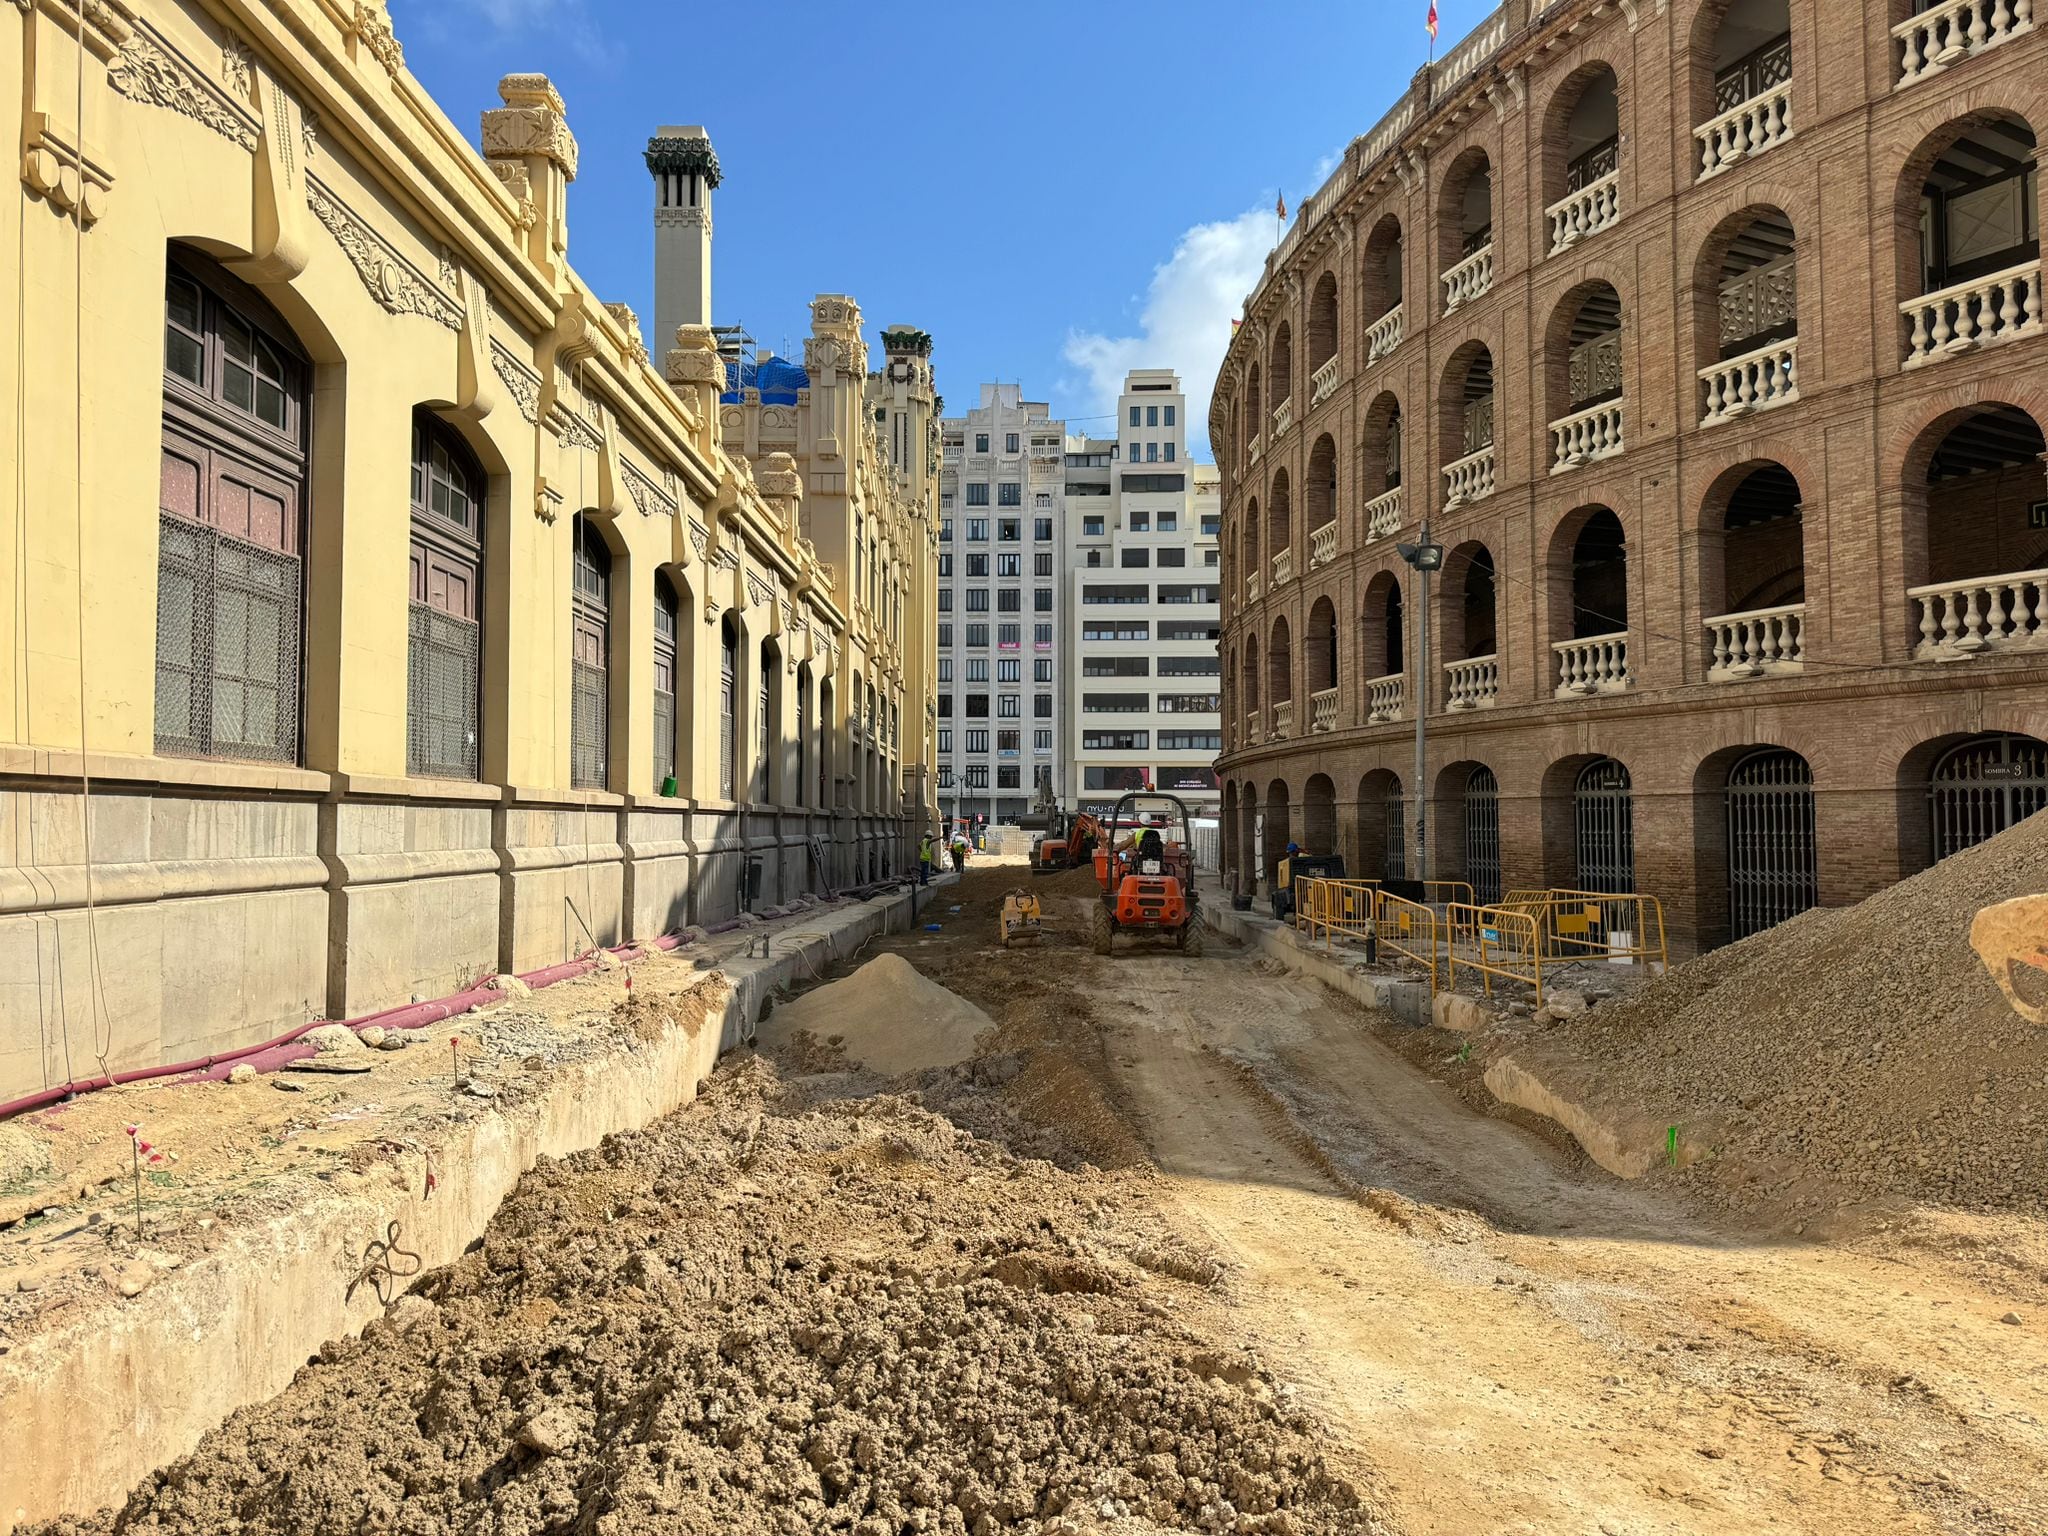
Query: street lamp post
{"points": [[1427, 558]]}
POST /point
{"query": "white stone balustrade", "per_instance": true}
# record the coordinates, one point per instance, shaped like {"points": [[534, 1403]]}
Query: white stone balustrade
{"points": [[1473, 684], [1283, 569], [1255, 447], [2002, 307], [1745, 130], [1383, 698], [1755, 381], [1956, 30], [1596, 665], [1322, 710], [1468, 280], [1383, 514], [1283, 418], [1251, 729], [1583, 436], [1583, 214], [1323, 382], [1251, 586], [1766, 642], [1469, 478], [1283, 719], [1384, 334], [1960, 619], [1322, 545]]}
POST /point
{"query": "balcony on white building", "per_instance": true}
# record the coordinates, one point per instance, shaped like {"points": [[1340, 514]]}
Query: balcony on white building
{"points": [[1582, 214], [1961, 619], [1383, 515], [1322, 710], [1766, 642], [1384, 334], [1383, 698], [1598, 664], [1984, 312], [1322, 545], [1755, 381], [1473, 684], [1468, 280], [1323, 382], [1951, 31]]}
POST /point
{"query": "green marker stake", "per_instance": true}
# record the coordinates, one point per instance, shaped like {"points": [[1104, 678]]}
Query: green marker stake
{"points": [[1671, 1144]]}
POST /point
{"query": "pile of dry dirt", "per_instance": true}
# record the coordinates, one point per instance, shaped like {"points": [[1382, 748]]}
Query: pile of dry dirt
{"points": [[885, 1017], [1852, 1053], [754, 1317]]}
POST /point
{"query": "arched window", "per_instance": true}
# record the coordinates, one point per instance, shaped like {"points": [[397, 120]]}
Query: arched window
{"points": [[728, 709], [590, 660], [803, 737], [667, 626], [230, 579], [445, 649], [764, 725]]}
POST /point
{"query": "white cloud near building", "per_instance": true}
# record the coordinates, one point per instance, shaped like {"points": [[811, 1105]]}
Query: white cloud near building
{"points": [[1185, 322]]}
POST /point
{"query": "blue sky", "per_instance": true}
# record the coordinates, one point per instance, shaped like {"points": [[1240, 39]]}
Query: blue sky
{"points": [[1057, 191]]}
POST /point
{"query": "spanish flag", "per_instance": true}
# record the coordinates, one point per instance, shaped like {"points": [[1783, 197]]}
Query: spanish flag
{"points": [[1281, 207], [1431, 23]]}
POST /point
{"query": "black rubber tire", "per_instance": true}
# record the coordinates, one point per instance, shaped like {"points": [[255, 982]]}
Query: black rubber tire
{"points": [[1191, 939], [1101, 934]]}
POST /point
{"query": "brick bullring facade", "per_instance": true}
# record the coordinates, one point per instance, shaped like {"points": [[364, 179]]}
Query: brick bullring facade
{"points": [[1708, 339]]}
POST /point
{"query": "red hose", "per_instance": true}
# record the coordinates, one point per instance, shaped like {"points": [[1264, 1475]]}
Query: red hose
{"points": [[404, 1016]]}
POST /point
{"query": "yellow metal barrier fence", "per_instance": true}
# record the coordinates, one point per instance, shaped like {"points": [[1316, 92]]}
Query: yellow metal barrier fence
{"points": [[1496, 942], [1625, 927], [1410, 929], [1447, 892], [1332, 907]]}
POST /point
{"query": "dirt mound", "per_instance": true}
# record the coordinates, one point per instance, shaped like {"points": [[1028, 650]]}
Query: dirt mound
{"points": [[885, 1017], [743, 1320], [1856, 1052]]}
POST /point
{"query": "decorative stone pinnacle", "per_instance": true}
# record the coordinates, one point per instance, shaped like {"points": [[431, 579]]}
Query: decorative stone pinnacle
{"points": [[684, 149]]}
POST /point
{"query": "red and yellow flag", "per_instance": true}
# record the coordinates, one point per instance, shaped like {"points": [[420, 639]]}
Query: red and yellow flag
{"points": [[1431, 23], [1281, 207]]}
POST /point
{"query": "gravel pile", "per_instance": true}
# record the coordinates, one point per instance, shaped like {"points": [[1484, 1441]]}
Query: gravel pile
{"points": [[1852, 1053], [761, 1317]]}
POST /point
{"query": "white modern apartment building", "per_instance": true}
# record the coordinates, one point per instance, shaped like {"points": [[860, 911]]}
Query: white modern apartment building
{"points": [[1002, 532], [1145, 685]]}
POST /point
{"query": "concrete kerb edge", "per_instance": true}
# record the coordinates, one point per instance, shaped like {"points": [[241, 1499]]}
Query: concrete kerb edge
{"points": [[1407, 1001], [91, 1407]]}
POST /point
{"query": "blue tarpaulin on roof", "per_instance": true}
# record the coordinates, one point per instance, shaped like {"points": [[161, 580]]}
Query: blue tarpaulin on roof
{"points": [[777, 378]]}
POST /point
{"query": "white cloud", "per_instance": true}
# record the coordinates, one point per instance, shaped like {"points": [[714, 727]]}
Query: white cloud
{"points": [[1185, 322], [566, 20]]}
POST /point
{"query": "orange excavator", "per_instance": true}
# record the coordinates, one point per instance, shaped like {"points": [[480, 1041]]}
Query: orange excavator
{"points": [[1071, 847], [1148, 882]]}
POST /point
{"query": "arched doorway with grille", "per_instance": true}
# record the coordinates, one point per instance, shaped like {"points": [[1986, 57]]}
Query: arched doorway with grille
{"points": [[1773, 863], [1603, 822], [1482, 835], [1981, 786]]}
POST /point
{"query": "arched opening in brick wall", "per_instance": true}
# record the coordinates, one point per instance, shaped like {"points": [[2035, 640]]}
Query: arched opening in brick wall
{"points": [[1958, 791], [1322, 322], [1279, 518], [1450, 818], [1976, 534], [1382, 827], [1753, 572], [1755, 855], [1582, 157], [1746, 315], [1250, 541], [1379, 446], [1279, 671], [1480, 834], [1466, 406], [1739, 76], [1279, 828], [1247, 837], [1250, 684], [1382, 639], [1603, 827], [1967, 215], [1586, 585], [1380, 274], [1469, 618], [1280, 365], [1464, 224], [1319, 645], [1319, 815], [1254, 411], [1582, 371], [1320, 500], [1227, 833]]}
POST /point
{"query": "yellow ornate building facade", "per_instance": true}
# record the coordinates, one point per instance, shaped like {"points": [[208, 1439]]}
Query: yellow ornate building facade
{"points": [[465, 633]]}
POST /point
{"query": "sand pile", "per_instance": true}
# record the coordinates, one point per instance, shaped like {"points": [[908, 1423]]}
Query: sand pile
{"points": [[1856, 1052], [746, 1320], [885, 1017]]}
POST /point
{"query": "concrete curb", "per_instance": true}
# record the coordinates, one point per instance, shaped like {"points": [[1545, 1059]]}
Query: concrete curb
{"points": [[92, 1406], [1407, 1001]]}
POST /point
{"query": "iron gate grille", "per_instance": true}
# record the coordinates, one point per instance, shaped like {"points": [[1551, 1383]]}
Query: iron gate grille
{"points": [[441, 695], [1395, 866], [1772, 865], [1604, 813], [1984, 786], [1482, 835], [587, 725], [227, 646], [664, 737]]}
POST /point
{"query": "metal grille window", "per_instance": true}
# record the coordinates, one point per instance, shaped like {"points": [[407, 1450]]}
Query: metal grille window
{"points": [[1982, 787], [230, 584], [728, 704], [1772, 873], [445, 643], [1395, 866], [1482, 835], [667, 612], [589, 661], [1603, 813]]}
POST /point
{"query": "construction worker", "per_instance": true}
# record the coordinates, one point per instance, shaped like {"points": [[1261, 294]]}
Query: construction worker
{"points": [[959, 851], [924, 859]]}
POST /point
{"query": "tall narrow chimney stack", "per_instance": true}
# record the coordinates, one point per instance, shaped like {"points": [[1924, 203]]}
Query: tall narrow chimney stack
{"points": [[685, 169]]}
